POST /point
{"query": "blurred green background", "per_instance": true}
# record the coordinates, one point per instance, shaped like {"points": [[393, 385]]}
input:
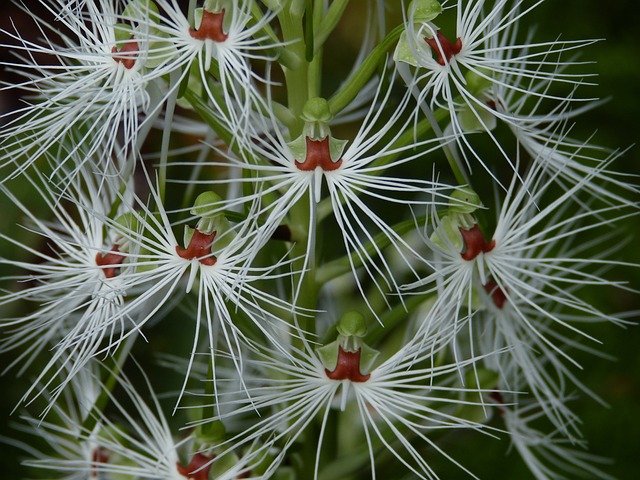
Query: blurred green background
{"points": [[611, 432]]}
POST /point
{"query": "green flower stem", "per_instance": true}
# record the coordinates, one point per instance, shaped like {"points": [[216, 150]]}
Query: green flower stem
{"points": [[284, 57], [315, 61], [342, 265], [113, 372], [362, 75], [174, 78], [329, 22], [295, 78], [390, 319]]}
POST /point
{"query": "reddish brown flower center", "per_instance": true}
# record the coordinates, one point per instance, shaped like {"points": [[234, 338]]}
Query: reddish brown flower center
{"points": [[127, 54], [111, 260], [348, 367], [198, 463], [443, 47], [199, 247], [210, 27], [496, 293], [99, 455], [474, 243], [318, 155]]}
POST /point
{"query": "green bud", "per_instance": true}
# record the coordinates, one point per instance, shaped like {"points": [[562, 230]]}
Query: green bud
{"points": [[206, 205], [464, 200], [425, 10], [316, 110], [352, 324]]}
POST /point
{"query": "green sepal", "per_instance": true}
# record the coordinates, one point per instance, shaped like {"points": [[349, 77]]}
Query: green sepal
{"points": [[351, 330], [448, 233], [464, 200], [210, 433], [423, 11], [123, 33], [476, 120], [404, 52], [223, 465], [298, 146], [188, 233]]}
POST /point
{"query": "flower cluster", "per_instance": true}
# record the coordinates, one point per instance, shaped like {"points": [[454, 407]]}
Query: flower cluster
{"points": [[343, 277]]}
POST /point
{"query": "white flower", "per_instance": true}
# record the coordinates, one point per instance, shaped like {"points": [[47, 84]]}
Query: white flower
{"points": [[459, 73], [396, 406], [523, 286], [214, 262], [92, 93], [77, 281], [84, 443], [224, 38], [290, 172], [549, 456]]}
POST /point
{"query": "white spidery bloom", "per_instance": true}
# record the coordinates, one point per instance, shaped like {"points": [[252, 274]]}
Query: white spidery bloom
{"points": [[95, 90], [290, 171], [549, 456], [222, 37], [395, 406], [77, 281], [523, 286], [85, 443], [457, 73], [212, 260]]}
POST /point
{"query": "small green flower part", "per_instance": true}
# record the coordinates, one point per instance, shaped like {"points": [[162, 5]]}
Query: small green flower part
{"points": [[146, 9], [404, 52], [123, 32], [462, 204], [425, 10], [212, 218], [316, 110], [476, 84], [473, 119], [126, 224], [351, 330], [316, 115], [205, 205], [352, 324], [216, 6], [210, 433], [464, 200]]}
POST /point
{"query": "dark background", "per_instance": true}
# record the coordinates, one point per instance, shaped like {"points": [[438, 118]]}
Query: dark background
{"points": [[611, 432]]}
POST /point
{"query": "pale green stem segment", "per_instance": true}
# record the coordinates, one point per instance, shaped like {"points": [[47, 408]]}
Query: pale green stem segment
{"points": [[360, 78], [328, 22], [166, 133], [108, 384], [342, 265]]}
